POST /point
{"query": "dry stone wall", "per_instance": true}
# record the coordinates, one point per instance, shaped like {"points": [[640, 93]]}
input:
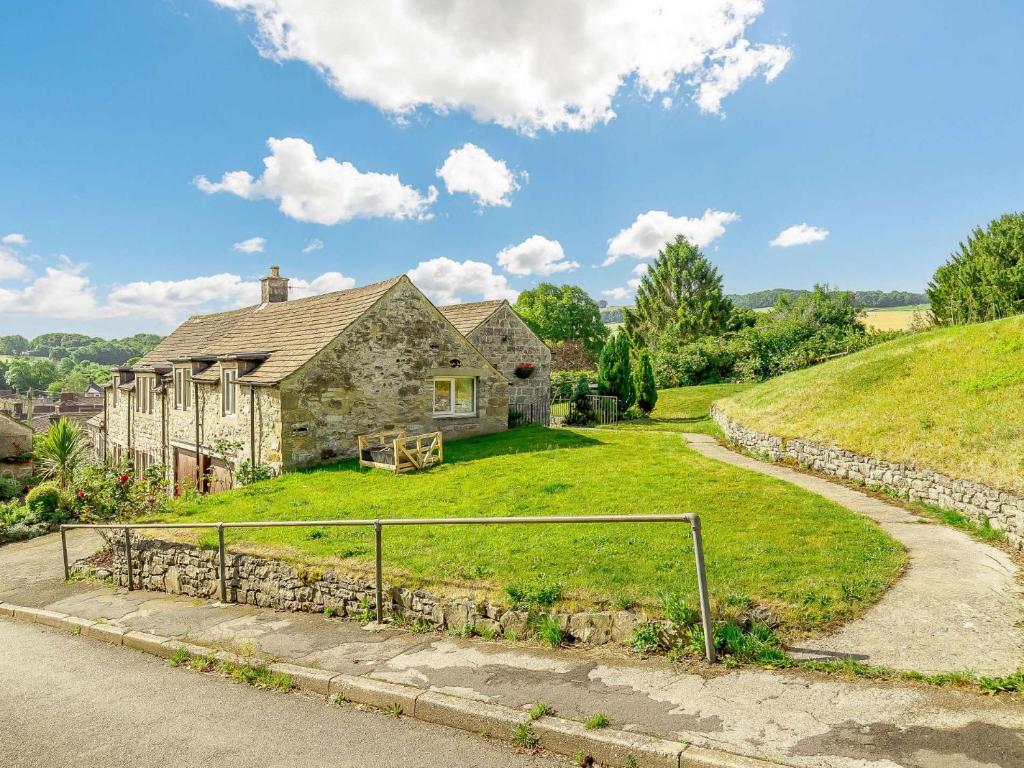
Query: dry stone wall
{"points": [[1003, 511], [183, 569]]}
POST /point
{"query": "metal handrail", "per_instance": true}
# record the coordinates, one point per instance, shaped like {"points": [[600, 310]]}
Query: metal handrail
{"points": [[379, 524]]}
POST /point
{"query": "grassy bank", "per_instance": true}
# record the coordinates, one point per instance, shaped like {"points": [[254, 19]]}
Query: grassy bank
{"points": [[811, 560], [944, 399]]}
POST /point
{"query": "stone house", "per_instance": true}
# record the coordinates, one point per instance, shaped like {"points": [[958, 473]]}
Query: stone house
{"points": [[501, 335], [15, 437], [290, 384]]}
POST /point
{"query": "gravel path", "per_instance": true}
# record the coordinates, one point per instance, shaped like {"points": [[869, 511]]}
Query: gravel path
{"points": [[957, 607]]}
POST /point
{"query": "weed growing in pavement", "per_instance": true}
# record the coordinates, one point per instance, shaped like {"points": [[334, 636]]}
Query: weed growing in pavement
{"points": [[539, 710], [179, 657], [596, 721], [394, 709], [525, 737], [339, 697], [257, 675]]}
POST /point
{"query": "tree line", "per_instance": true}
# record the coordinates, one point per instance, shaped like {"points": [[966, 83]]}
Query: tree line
{"points": [[66, 362]]}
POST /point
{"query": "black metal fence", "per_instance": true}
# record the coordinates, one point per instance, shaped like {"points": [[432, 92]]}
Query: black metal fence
{"points": [[596, 409], [529, 413]]}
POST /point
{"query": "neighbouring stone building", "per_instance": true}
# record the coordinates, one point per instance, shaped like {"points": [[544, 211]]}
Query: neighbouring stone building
{"points": [[504, 339], [290, 384], [15, 437]]}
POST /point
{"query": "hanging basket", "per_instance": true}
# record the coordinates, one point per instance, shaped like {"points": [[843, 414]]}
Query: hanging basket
{"points": [[524, 370]]}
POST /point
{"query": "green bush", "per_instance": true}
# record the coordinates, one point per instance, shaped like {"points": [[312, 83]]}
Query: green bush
{"points": [[644, 384], [45, 501], [563, 383], [9, 488]]}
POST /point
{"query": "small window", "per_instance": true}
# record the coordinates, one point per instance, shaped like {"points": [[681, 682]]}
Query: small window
{"points": [[227, 382], [455, 396], [182, 389], [143, 393]]}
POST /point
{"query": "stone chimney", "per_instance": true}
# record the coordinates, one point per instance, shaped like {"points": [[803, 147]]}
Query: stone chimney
{"points": [[273, 287]]}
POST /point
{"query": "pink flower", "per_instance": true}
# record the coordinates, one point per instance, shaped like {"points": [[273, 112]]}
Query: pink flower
{"points": [[81, 494]]}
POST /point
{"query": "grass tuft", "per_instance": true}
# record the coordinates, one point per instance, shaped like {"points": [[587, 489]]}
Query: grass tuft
{"points": [[596, 721]]}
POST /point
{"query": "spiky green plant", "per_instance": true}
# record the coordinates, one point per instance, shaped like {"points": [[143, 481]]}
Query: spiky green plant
{"points": [[61, 452]]}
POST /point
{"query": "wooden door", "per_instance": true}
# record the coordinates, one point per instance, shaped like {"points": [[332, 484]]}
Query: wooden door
{"points": [[184, 470], [219, 475]]}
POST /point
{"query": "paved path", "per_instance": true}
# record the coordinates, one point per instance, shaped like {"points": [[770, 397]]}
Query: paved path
{"points": [[63, 705], [957, 607], [793, 718]]}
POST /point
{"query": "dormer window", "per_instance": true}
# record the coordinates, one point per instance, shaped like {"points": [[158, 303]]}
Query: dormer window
{"points": [[227, 385], [144, 394], [182, 388]]}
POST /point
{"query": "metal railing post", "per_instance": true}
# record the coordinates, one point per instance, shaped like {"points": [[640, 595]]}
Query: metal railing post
{"points": [[223, 564], [128, 554], [64, 551], [380, 571], [702, 588]]}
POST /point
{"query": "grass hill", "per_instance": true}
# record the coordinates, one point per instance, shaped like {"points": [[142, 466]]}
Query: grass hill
{"points": [[948, 399]]}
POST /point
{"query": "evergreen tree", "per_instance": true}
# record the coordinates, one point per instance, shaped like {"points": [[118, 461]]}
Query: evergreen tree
{"points": [[681, 295], [646, 389], [984, 280], [614, 376]]}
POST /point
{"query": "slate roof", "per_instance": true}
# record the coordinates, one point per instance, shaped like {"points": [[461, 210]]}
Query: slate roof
{"points": [[467, 317], [290, 332]]}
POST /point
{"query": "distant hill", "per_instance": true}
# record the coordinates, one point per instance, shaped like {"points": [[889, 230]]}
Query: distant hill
{"points": [[865, 299], [766, 299]]}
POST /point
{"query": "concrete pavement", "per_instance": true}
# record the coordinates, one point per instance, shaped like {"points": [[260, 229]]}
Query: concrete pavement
{"points": [[958, 605], [72, 701], [792, 718]]}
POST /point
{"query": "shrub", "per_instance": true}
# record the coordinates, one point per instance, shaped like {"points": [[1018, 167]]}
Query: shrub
{"points": [[632, 413], [45, 501], [614, 375], [248, 473], [582, 412], [644, 385], [564, 383], [549, 630], [9, 488]]}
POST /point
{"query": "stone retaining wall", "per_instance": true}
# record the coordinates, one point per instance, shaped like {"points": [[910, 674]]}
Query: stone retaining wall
{"points": [[1003, 511], [188, 570]]}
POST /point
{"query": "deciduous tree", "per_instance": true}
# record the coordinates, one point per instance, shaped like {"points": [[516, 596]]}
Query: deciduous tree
{"points": [[560, 313]]}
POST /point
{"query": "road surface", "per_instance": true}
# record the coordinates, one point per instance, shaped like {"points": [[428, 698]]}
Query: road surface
{"points": [[69, 700]]}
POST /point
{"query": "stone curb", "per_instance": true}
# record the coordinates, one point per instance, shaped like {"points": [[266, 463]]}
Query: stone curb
{"points": [[608, 746]]}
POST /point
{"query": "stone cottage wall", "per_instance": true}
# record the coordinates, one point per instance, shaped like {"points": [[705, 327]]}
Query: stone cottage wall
{"points": [[145, 432], [1002, 510], [378, 375], [15, 437], [187, 570], [507, 341]]}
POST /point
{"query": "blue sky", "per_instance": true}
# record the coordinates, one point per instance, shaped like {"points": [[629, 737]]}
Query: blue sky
{"points": [[894, 128]]}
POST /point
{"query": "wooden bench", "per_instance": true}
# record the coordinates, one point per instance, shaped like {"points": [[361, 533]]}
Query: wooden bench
{"points": [[398, 451]]}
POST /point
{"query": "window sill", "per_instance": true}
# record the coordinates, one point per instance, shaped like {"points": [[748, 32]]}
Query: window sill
{"points": [[456, 415]]}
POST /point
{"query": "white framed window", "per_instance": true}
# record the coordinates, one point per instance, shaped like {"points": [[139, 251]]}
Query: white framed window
{"points": [[227, 384], [455, 396], [144, 394], [182, 389]]}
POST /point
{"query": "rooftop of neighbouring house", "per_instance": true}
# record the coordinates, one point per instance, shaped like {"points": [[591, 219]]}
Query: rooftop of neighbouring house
{"points": [[467, 317]]}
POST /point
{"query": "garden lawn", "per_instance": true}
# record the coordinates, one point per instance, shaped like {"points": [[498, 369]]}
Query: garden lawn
{"points": [[684, 409], [947, 400], [765, 540]]}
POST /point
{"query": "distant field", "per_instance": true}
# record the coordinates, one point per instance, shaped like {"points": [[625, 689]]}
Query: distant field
{"points": [[946, 399], [894, 318]]}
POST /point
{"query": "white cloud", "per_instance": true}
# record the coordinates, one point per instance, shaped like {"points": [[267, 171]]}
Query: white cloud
{"points": [[799, 234], [326, 283], [622, 294], [535, 256], [734, 65], [62, 292], [471, 170], [449, 282], [313, 245], [14, 238], [322, 191], [171, 300], [652, 230], [11, 267], [528, 66], [641, 269], [252, 245]]}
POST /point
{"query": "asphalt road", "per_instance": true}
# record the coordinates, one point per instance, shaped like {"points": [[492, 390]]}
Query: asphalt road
{"points": [[67, 700]]}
